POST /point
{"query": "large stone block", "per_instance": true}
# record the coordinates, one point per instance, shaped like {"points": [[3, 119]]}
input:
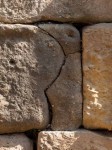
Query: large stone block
{"points": [[97, 71], [65, 95], [76, 140], [25, 11], [15, 142], [30, 60]]}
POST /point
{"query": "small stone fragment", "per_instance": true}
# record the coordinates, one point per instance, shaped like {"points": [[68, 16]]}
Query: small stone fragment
{"points": [[74, 140]]}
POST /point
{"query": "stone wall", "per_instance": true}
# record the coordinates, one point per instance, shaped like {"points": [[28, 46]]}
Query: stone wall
{"points": [[55, 75]]}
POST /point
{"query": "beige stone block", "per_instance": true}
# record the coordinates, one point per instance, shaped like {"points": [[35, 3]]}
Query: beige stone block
{"points": [[97, 74], [74, 140]]}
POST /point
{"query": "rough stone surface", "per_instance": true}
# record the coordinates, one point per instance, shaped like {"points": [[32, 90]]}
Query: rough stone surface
{"points": [[67, 35], [97, 71], [29, 61], [76, 140], [24, 11], [15, 142], [65, 95]]}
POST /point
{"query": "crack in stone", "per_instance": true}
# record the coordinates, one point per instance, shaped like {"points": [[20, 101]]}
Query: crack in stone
{"points": [[45, 91], [60, 70], [53, 38]]}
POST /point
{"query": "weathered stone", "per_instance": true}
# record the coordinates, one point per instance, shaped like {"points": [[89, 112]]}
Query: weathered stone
{"points": [[65, 95], [97, 71], [29, 61], [76, 140], [24, 11], [67, 35], [15, 142]]}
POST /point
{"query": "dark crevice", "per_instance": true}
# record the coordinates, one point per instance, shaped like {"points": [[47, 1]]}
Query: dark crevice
{"points": [[43, 21], [50, 110], [81, 47], [36, 145], [50, 22], [82, 80], [45, 92], [79, 27], [40, 22], [33, 135], [12, 62]]}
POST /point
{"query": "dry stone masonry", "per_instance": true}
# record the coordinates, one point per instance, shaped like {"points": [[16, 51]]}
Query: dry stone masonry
{"points": [[55, 75]]}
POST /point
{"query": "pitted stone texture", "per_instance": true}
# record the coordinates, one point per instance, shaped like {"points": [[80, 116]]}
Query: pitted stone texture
{"points": [[76, 140], [25, 11], [29, 61], [67, 35], [65, 95], [97, 71], [15, 142]]}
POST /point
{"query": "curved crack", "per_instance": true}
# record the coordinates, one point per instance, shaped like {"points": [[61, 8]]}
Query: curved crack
{"points": [[59, 72], [53, 38]]}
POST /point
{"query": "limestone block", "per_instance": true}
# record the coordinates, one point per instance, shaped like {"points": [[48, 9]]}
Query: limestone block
{"points": [[97, 71], [27, 11], [15, 142], [74, 140], [30, 60]]}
